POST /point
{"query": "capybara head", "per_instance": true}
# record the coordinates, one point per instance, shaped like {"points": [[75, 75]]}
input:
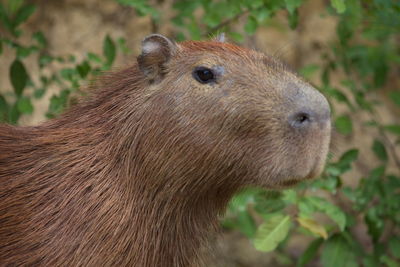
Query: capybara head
{"points": [[235, 110]]}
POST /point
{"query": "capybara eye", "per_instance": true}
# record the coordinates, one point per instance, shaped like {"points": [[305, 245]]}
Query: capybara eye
{"points": [[203, 75]]}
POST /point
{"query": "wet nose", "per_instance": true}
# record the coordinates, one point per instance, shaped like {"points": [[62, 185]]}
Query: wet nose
{"points": [[311, 109]]}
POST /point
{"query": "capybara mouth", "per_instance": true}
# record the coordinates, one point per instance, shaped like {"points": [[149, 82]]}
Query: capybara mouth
{"points": [[316, 170], [294, 181], [314, 173], [290, 183]]}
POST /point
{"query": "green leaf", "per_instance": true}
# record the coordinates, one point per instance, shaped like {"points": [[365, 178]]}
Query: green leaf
{"points": [[255, 3], [24, 105], [339, 5], [23, 14], [306, 208], [141, 7], [394, 246], [348, 157], [375, 223], [39, 93], [338, 95], [23, 52], [272, 232], [235, 36], [293, 19], [394, 128], [14, 5], [395, 96], [83, 69], [58, 103], [380, 75], [379, 150], [245, 223], [5, 19], [3, 109], [94, 58], [18, 76], [337, 252], [109, 50], [251, 26], [344, 125], [45, 60], [40, 38], [343, 164], [309, 253], [289, 196], [313, 226], [388, 261], [264, 202], [14, 114], [68, 74], [261, 14], [292, 5], [243, 198], [334, 212], [333, 171], [211, 19], [371, 260], [268, 202]]}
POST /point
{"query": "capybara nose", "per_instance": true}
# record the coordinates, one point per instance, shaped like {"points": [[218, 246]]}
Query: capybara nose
{"points": [[313, 111]]}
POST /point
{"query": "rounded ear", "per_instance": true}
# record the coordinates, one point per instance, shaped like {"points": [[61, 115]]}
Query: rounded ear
{"points": [[156, 51]]}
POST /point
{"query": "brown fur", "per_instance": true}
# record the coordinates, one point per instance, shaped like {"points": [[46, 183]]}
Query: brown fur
{"points": [[138, 173]]}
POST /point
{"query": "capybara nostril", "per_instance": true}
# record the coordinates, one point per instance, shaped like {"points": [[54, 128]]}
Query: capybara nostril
{"points": [[300, 119], [309, 108], [306, 118]]}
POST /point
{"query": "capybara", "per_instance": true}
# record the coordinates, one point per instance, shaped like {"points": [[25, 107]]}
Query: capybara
{"points": [[138, 173]]}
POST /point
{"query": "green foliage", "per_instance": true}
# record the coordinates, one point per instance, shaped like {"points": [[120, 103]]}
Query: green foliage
{"points": [[326, 210], [142, 7], [379, 150], [109, 51], [338, 252], [272, 232], [339, 5], [311, 204], [395, 96], [18, 76], [69, 77], [310, 252], [344, 125]]}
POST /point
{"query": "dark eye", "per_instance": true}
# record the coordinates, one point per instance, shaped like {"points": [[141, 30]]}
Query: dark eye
{"points": [[203, 75]]}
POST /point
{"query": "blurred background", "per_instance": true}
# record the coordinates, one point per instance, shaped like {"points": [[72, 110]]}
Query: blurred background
{"points": [[50, 51]]}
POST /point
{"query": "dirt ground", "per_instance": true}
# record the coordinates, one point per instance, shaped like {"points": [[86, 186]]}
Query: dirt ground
{"points": [[76, 27]]}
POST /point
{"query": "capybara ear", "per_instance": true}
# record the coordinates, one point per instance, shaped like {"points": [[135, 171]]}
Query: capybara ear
{"points": [[220, 38], [156, 51]]}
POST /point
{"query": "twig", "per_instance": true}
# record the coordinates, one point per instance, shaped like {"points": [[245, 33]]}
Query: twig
{"points": [[226, 22], [390, 146]]}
